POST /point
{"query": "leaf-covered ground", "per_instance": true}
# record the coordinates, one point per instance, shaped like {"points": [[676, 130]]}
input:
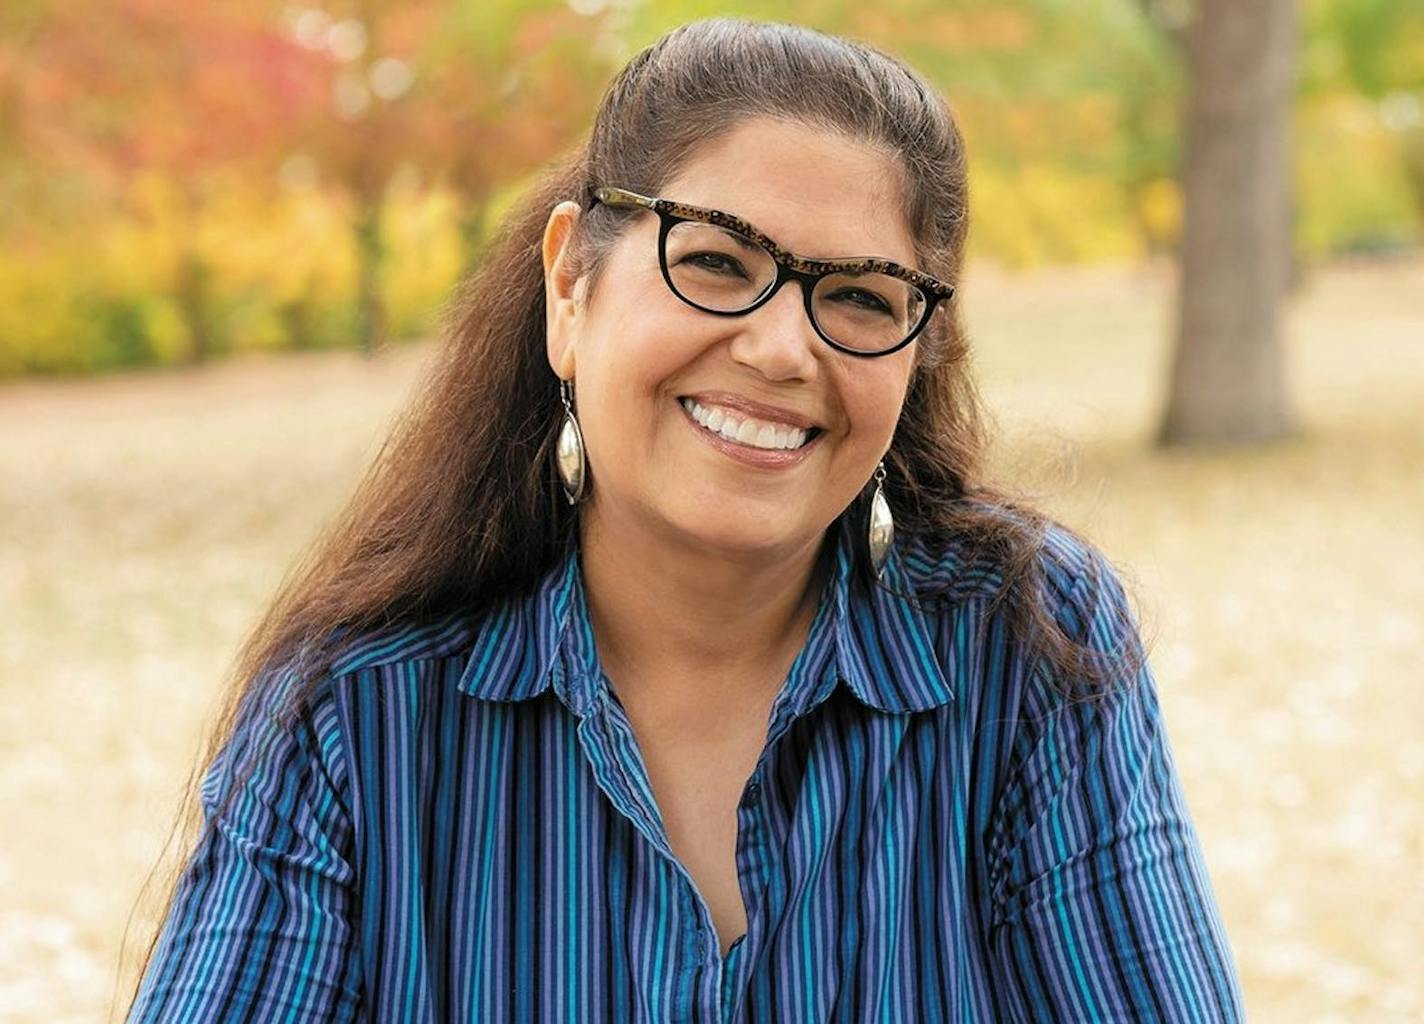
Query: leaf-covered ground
{"points": [[144, 520]]}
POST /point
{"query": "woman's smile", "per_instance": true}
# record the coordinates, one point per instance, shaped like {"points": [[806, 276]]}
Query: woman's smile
{"points": [[766, 444]]}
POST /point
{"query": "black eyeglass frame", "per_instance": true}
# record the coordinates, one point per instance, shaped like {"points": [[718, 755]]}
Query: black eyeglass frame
{"points": [[789, 266]]}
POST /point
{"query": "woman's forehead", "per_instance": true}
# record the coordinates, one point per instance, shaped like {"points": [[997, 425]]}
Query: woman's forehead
{"points": [[818, 193]]}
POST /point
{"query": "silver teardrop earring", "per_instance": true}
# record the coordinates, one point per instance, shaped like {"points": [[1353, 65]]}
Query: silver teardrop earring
{"points": [[881, 533], [573, 466]]}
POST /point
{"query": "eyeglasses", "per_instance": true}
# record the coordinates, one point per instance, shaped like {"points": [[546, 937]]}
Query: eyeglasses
{"points": [[718, 263]]}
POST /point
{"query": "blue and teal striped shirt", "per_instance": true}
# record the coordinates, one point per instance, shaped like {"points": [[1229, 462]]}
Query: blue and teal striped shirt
{"points": [[461, 828]]}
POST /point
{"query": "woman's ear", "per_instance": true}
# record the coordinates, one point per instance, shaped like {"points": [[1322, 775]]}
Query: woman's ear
{"points": [[561, 301]]}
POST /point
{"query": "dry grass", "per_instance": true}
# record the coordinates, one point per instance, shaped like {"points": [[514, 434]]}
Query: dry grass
{"points": [[144, 520]]}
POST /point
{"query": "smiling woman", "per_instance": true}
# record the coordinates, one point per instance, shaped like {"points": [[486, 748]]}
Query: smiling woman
{"points": [[674, 662], [637, 352]]}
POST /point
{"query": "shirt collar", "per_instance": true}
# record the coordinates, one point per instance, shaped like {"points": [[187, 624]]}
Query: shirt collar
{"points": [[882, 647]]}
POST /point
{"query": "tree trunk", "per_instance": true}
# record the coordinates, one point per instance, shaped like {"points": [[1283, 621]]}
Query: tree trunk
{"points": [[1227, 382], [192, 278], [191, 292], [473, 211], [370, 254]]}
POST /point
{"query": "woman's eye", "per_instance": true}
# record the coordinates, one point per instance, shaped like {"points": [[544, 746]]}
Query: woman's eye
{"points": [[864, 299], [715, 261]]}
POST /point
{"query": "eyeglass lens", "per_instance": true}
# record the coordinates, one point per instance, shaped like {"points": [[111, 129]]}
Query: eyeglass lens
{"points": [[720, 269]]}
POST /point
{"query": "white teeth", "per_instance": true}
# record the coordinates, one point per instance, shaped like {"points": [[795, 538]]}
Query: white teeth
{"points": [[747, 432]]}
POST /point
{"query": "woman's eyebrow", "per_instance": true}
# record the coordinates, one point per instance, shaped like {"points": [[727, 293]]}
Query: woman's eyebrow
{"points": [[744, 242], [747, 243]]}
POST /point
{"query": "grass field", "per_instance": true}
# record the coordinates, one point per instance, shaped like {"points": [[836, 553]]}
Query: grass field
{"points": [[145, 519]]}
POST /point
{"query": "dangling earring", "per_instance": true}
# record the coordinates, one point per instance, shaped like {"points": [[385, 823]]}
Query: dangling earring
{"points": [[573, 468], [881, 532]]}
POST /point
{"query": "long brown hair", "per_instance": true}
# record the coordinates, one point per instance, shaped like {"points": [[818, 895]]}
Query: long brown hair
{"points": [[461, 506]]}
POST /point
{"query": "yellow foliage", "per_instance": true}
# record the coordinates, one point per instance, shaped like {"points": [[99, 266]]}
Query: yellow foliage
{"points": [[1159, 209], [1350, 180], [37, 333], [425, 259], [978, 30], [1041, 213], [273, 272]]}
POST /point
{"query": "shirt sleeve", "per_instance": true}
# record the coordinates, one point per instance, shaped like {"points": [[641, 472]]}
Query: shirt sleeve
{"points": [[1102, 907], [260, 926]]}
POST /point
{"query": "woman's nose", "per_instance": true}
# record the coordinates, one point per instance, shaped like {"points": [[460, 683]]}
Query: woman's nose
{"points": [[778, 339]]}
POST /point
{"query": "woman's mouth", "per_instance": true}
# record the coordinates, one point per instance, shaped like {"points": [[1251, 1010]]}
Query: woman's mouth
{"points": [[759, 444], [739, 429]]}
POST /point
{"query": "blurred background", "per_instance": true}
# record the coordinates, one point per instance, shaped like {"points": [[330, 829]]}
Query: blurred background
{"points": [[1195, 286]]}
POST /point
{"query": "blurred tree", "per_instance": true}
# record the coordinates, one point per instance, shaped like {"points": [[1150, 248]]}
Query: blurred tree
{"points": [[511, 83], [192, 93], [471, 93], [364, 131], [1227, 382]]}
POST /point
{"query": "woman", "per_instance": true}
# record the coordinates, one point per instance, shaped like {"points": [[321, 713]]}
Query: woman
{"points": [[674, 664]]}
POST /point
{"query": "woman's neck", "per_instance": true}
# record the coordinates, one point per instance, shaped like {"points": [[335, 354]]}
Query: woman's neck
{"points": [[689, 616]]}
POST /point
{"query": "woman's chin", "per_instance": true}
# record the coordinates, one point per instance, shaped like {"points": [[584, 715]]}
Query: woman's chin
{"points": [[746, 539], [737, 530]]}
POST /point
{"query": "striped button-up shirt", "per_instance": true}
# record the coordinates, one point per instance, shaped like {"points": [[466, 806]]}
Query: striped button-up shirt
{"points": [[461, 828]]}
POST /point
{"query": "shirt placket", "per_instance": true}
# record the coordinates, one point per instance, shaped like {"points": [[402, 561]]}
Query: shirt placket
{"points": [[726, 981], [608, 742], [809, 682]]}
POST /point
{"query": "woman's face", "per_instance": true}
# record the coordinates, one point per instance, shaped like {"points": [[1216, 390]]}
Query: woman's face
{"points": [[639, 356]]}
